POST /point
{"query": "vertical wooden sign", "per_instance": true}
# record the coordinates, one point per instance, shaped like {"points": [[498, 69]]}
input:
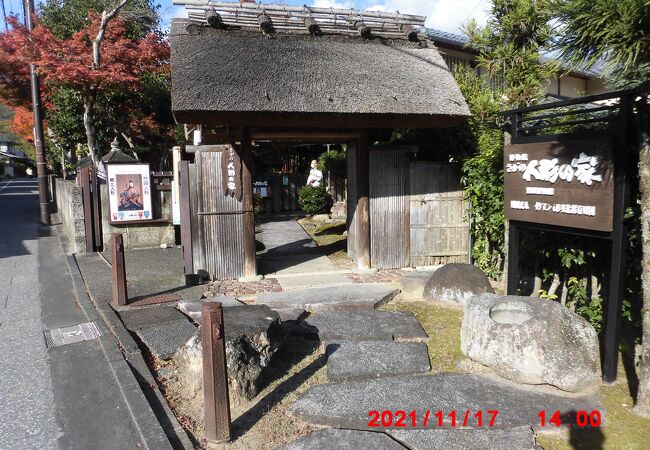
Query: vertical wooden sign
{"points": [[231, 172]]}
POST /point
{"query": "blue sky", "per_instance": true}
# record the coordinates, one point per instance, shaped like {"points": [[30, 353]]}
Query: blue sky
{"points": [[446, 15]]}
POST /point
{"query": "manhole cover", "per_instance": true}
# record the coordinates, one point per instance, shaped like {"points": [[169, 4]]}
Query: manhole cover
{"points": [[139, 318], [152, 300], [71, 335]]}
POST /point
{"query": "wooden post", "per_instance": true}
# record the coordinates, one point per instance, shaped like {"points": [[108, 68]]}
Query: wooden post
{"points": [[96, 211], [362, 213], [186, 220], [118, 271], [250, 269], [84, 181], [619, 246], [215, 376]]}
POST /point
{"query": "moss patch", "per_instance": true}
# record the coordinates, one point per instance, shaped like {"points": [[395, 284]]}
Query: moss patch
{"points": [[443, 327]]}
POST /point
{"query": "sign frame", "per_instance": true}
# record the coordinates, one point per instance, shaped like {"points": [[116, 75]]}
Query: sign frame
{"points": [[129, 188]]}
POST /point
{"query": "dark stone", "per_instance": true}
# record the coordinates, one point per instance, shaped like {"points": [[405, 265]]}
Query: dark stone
{"points": [[337, 298], [373, 359], [519, 438], [456, 283], [335, 439], [363, 326], [253, 334], [346, 405]]}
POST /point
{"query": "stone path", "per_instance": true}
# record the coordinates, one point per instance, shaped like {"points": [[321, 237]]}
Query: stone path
{"points": [[337, 298], [370, 359], [287, 248], [369, 369]]}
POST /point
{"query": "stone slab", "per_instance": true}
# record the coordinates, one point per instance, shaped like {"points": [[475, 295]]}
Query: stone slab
{"points": [[346, 405], [248, 320], [312, 280], [364, 326], [412, 284], [135, 319], [336, 439], [291, 314], [163, 340], [192, 309], [519, 438], [338, 298], [374, 359]]}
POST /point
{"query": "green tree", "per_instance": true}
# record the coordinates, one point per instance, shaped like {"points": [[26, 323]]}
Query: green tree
{"points": [[509, 48], [613, 32]]}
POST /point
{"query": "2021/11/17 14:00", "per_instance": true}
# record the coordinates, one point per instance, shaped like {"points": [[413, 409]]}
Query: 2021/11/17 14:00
{"points": [[401, 418], [580, 419]]}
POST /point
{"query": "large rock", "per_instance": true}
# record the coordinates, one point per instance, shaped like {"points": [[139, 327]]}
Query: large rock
{"points": [[531, 341], [335, 439], [456, 283], [253, 334], [517, 438]]}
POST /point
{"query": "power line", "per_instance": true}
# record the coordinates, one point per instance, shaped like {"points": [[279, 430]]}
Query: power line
{"points": [[468, 15]]}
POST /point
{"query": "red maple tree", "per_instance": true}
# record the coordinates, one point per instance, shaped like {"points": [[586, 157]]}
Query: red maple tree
{"points": [[96, 59]]}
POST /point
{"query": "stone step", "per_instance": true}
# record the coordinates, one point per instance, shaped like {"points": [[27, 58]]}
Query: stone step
{"points": [[363, 326], [374, 359], [346, 405], [332, 298], [336, 439], [519, 438], [192, 309]]}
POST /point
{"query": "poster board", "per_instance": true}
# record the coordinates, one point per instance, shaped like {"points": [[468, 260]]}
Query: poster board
{"points": [[129, 193], [569, 183]]}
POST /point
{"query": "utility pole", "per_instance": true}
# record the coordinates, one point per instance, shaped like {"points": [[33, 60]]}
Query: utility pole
{"points": [[39, 140]]}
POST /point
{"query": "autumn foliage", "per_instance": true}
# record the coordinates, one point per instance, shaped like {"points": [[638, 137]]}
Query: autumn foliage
{"points": [[69, 63], [23, 123]]}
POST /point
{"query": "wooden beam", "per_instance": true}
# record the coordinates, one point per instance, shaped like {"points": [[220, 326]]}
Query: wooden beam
{"points": [[410, 32], [265, 23], [214, 19], [312, 26], [363, 29], [362, 213], [317, 120], [304, 136], [250, 269], [186, 218]]}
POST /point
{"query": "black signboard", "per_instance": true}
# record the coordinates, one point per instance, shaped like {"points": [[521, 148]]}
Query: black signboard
{"points": [[569, 183]]}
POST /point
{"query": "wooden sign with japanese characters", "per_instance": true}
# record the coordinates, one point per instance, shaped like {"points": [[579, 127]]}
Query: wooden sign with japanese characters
{"points": [[561, 183], [231, 172]]}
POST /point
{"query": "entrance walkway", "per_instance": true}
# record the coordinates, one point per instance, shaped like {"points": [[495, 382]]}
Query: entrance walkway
{"points": [[289, 254]]}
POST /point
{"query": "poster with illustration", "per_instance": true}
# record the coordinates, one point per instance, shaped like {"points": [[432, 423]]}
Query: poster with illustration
{"points": [[129, 192]]}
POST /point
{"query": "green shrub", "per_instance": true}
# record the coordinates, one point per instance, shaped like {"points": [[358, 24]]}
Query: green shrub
{"points": [[314, 200], [334, 161]]}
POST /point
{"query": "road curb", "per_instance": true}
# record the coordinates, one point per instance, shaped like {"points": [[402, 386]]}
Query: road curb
{"points": [[158, 429]]}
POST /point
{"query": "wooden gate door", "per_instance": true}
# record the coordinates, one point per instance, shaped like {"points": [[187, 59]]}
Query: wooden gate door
{"points": [[389, 206], [439, 231], [214, 241]]}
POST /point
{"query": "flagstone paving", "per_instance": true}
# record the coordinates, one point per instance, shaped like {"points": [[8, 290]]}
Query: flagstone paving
{"points": [[519, 438], [335, 439], [332, 298], [346, 405], [364, 326], [374, 359]]}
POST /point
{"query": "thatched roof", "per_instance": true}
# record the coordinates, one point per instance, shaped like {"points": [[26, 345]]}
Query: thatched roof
{"points": [[237, 77]]}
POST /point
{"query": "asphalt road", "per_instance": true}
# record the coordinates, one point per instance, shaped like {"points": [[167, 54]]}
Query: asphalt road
{"points": [[62, 397]]}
